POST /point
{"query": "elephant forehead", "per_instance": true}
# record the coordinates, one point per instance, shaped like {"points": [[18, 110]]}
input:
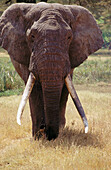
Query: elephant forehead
{"points": [[51, 12], [51, 17], [52, 21], [50, 25], [46, 24]]}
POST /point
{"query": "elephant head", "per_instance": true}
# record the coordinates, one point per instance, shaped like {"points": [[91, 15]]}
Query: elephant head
{"points": [[45, 43]]}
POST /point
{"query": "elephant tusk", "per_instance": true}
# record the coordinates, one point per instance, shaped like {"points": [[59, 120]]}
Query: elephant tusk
{"points": [[76, 101], [25, 96]]}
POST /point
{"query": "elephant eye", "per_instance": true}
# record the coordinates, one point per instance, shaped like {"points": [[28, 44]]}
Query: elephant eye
{"points": [[32, 49], [69, 37], [32, 38]]}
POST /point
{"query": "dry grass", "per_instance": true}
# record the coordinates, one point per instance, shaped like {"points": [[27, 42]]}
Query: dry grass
{"points": [[71, 150]]}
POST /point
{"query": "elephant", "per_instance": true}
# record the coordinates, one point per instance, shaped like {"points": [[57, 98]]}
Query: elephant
{"points": [[45, 43]]}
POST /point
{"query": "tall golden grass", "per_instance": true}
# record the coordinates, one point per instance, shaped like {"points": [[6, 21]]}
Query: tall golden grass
{"points": [[72, 150]]}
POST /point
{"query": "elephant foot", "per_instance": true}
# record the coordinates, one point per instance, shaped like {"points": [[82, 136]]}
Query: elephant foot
{"points": [[51, 133]]}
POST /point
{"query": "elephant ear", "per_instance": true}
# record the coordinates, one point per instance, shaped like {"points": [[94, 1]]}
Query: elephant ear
{"points": [[13, 33], [87, 37]]}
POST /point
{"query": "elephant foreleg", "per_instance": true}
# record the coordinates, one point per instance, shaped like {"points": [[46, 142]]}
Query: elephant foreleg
{"points": [[63, 101], [37, 109]]}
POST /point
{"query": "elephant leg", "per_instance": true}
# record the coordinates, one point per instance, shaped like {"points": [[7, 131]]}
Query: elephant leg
{"points": [[63, 101], [37, 109]]}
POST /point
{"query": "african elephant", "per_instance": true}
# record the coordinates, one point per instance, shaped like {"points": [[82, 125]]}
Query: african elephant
{"points": [[45, 43]]}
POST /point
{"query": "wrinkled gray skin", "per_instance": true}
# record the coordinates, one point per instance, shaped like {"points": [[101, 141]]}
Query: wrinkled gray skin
{"points": [[49, 40]]}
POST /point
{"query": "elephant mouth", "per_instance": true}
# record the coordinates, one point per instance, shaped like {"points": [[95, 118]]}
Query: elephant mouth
{"points": [[71, 89]]}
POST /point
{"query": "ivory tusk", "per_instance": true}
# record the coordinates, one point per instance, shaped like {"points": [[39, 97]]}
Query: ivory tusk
{"points": [[76, 101], [25, 96]]}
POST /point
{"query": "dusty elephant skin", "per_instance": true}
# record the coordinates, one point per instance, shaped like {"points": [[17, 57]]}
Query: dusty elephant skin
{"points": [[45, 43]]}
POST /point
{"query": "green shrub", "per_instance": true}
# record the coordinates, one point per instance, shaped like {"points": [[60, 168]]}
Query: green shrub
{"points": [[93, 71], [9, 79]]}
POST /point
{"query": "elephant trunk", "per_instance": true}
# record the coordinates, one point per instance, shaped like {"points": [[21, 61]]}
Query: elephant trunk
{"points": [[51, 78], [51, 96]]}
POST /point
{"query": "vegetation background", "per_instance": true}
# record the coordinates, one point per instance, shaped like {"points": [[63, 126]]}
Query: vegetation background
{"points": [[73, 149]]}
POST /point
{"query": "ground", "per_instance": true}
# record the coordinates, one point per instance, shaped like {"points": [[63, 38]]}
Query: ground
{"points": [[71, 150]]}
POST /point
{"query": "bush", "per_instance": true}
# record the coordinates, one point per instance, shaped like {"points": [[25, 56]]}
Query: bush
{"points": [[107, 38], [9, 79], [93, 71]]}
